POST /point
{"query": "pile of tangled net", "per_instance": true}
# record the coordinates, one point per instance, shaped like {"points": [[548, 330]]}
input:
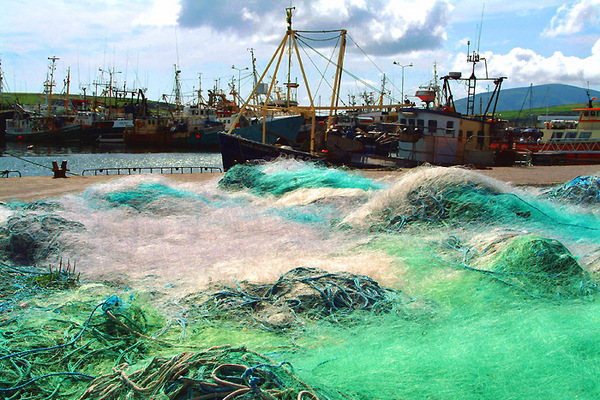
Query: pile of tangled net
{"points": [[539, 267], [450, 205], [144, 194], [28, 238], [216, 373], [583, 189], [309, 292], [439, 196], [294, 175]]}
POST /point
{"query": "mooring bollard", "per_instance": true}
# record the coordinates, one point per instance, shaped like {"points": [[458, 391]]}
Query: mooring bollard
{"points": [[59, 172]]}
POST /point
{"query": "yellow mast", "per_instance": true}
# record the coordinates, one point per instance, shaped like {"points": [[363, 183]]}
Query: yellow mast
{"points": [[310, 98], [335, 98], [245, 105], [311, 110]]}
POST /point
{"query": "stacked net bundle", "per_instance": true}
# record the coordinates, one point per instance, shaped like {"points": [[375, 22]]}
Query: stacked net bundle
{"points": [[537, 266], [30, 237], [143, 194], [299, 295], [439, 196], [216, 373], [580, 190], [284, 177]]}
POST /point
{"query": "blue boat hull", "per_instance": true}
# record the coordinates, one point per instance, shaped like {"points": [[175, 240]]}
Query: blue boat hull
{"points": [[282, 130], [239, 150]]}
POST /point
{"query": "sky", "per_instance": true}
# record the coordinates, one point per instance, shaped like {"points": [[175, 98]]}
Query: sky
{"points": [[139, 43]]}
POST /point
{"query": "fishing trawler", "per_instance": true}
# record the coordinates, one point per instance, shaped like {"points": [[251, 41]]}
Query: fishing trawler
{"points": [[26, 126], [571, 142], [6, 111], [411, 135]]}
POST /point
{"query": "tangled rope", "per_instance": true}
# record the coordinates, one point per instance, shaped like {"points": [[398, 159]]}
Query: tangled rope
{"points": [[217, 373], [309, 292], [116, 335]]}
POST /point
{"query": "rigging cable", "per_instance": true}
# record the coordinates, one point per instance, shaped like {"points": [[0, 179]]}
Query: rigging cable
{"points": [[34, 163], [343, 69]]}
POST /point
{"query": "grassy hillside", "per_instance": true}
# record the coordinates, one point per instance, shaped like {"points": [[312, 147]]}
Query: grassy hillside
{"points": [[536, 97], [517, 115], [33, 99]]}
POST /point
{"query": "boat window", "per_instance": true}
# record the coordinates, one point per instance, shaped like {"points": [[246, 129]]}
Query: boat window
{"points": [[585, 135], [432, 125], [592, 113], [571, 135], [557, 135], [411, 122], [450, 127], [403, 121], [420, 122], [586, 113]]}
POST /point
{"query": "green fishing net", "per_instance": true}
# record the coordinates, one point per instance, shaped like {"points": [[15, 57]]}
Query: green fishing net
{"points": [[143, 194], [261, 179], [440, 284], [28, 238], [582, 189], [537, 266]]}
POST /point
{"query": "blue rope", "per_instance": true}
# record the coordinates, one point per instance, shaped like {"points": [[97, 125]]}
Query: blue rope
{"points": [[252, 381], [74, 374], [114, 300]]}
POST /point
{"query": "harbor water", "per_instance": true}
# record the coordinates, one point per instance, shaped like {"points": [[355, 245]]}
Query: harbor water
{"points": [[489, 290], [36, 160]]}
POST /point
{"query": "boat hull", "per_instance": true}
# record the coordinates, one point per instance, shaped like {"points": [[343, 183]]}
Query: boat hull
{"points": [[161, 132], [64, 134], [282, 130], [238, 150]]}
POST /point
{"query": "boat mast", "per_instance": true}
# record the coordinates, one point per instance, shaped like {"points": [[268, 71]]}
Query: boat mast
{"points": [[289, 82], [254, 73], [382, 90], [50, 83], [0, 80], [68, 83], [177, 88], [335, 97], [472, 81]]}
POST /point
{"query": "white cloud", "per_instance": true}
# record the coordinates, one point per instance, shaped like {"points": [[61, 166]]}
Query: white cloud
{"points": [[162, 13], [571, 19]]}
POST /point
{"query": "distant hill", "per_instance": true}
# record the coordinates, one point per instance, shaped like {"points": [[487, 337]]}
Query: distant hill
{"points": [[519, 98]]}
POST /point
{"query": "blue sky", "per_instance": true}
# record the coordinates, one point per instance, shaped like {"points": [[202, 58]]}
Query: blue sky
{"points": [[141, 40]]}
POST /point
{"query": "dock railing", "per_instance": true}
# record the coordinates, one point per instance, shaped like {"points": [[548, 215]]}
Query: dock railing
{"points": [[150, 170], [6, 174]]}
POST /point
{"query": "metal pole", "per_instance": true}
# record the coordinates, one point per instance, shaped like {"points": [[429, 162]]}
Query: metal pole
{"points": [[402, 66], [239, 70]]}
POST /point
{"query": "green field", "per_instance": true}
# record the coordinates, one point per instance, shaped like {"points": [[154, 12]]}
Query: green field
{"points": [[522, 116]]}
